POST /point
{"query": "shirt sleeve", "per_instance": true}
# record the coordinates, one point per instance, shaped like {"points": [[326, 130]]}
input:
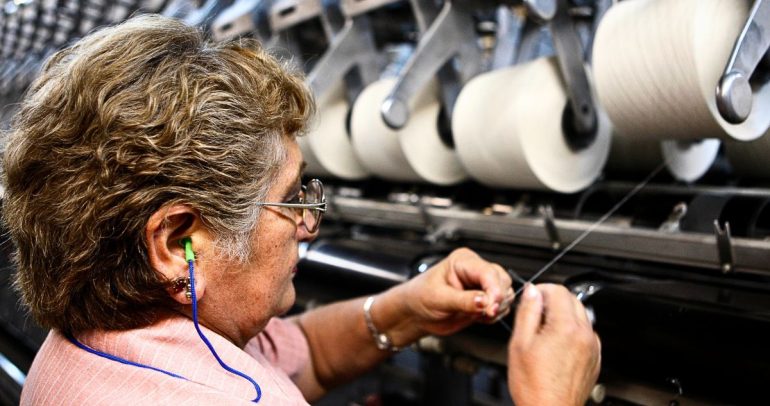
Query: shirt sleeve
{"points": [[283, 344]]}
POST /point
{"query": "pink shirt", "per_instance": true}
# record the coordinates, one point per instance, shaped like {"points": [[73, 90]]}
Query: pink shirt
{"points": [[65, 374]]}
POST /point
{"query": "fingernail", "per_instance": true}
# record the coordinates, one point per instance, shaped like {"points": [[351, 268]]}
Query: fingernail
{"points": [[531, 292], [480, 301]]}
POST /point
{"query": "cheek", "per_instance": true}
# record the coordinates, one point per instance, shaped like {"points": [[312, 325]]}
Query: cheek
{"points": [[282, 250], [282, 242], [276, 247]]}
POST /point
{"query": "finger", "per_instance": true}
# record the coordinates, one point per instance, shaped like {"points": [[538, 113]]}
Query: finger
{"points": [[581, 313], [505, 305], [528, 316], [598, 344], [502, 310], [505, 278], [506, 311], [473, 271], [598, 365], [561, 306], [465, 301], [505, 282], [508, 298], [502, 302]]}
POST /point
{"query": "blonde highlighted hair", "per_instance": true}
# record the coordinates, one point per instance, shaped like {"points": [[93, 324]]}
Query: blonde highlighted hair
{"points": [[128, 120]]}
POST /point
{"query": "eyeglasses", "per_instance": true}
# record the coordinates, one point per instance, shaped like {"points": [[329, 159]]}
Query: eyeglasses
{"points": [[311, 204]]}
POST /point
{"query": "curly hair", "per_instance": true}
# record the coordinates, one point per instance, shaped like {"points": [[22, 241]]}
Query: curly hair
{"points": [[126, 121]]}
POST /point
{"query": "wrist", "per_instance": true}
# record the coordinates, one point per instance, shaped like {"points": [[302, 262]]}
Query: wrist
{"points": [[381, 338], [391, 317]]}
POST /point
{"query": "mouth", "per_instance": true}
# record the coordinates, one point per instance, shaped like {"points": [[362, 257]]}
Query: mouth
{"points": [[294, 270]]}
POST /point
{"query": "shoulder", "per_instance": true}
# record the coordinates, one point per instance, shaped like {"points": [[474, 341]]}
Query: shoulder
{"points": [[65, 374], [283, 344]]}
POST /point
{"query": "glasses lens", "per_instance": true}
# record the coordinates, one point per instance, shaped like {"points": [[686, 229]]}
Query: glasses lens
{"points": [[313, 194]]}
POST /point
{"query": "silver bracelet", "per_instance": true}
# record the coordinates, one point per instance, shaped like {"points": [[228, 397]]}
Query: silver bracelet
{"points": [[382, 340]]}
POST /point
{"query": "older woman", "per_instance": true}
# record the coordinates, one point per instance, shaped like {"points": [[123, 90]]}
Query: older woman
{"points": [[152, 190]]}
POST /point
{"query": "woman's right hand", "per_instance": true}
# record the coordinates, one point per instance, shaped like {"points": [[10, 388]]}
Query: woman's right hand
{"points": [[554, 355]]}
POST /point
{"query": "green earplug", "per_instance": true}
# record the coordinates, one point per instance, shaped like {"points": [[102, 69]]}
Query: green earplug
{"points": [[189, 255]]}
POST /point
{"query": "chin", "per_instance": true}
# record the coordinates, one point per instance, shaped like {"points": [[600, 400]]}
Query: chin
{"points": [[287, 301]]}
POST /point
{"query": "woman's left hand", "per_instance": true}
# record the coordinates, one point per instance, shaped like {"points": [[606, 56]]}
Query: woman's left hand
{"points": [[452, 294]]}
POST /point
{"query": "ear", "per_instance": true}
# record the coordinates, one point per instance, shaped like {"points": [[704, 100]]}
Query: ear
{"points": [[163, 233]]}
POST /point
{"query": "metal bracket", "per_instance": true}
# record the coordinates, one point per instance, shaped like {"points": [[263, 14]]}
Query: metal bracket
{"points": [[443, 232], [243, 17], [542, 10], [579, 121], [409, 198], [285, 14], [352, 47], [499, 209], [435, 233], [733, 92], [583, 291], [204, 15], [510, 29], [425, 12], [672, 223], [599, 9], [177, 8], [451, 34], [550, 227], [352, 8], [724, 246]]}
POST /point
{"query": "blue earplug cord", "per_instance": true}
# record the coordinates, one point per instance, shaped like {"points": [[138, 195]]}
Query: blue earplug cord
{"points": [[190, 258]]}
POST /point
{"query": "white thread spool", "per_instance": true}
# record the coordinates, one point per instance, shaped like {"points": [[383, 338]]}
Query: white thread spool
{"points": [[377, 145], [327, 147], [508, 131], [313, 167], [414, 153], [657, 64], [428, 155], [686, 161]]}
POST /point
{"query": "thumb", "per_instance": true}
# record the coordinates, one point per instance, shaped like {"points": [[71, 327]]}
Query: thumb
{"points": [[528, 316]]}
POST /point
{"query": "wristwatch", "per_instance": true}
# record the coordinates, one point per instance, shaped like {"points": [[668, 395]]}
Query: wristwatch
{"points": [[382, 340]]}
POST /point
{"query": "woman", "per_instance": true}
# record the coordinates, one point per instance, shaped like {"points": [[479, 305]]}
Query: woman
{"points": [[153, 195]]}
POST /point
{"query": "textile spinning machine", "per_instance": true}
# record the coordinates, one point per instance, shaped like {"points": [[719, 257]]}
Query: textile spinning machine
{"points": [[620, 148]]}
